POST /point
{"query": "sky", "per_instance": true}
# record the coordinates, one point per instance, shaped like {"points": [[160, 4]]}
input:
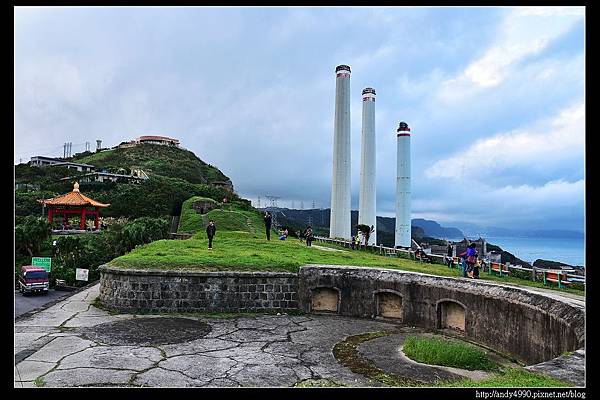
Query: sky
{"points": [[494, 97]]}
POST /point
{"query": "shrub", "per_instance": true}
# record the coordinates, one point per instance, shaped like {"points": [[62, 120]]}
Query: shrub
{"points": [[30, 234]]}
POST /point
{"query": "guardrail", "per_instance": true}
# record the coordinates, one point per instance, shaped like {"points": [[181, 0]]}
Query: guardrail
{"points": [[533, 274]]}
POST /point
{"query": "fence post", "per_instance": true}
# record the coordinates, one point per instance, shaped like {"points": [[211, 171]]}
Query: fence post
{"points": [[559, 279], [533, 274], [544, 272]]}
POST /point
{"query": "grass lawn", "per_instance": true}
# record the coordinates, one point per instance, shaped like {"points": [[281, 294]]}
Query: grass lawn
{"points": [[438, 350], [512, 377]]}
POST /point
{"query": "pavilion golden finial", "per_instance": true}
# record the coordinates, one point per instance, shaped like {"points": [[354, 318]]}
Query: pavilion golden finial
{"points": [[76, 187]]}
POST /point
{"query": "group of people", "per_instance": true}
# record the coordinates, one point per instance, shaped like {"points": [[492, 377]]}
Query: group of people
{"points": [[307, 235], [469, 261]]}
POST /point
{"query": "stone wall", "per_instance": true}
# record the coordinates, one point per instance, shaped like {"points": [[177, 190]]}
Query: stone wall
{"points": [[528, 325], [174, 291]]}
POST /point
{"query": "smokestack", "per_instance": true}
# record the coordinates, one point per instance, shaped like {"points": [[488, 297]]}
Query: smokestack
{"points": [[403, 237], [366, 202], [340, 186]]}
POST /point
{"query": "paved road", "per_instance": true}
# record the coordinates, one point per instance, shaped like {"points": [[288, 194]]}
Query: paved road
{"points": [[27, 303]]}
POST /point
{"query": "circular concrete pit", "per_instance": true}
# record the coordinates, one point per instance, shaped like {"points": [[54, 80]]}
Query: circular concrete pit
{"points": [[147, 331]]}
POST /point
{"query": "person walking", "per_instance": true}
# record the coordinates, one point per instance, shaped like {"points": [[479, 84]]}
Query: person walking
{"points": [[463, 262], [268, 219], [211, 229], [309, 236], [471, 258], [353, 242], [449, 256]]}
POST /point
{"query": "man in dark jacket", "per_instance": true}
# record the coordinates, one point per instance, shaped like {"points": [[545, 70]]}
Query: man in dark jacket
{"points": [[268, 224], [211, 229]]}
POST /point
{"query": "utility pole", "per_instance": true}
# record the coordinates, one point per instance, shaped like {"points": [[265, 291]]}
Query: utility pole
{"points": [[258, 204], [273, 209]]}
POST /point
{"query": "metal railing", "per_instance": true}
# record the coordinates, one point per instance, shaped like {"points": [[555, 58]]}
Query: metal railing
{"points": [[533, 274]]}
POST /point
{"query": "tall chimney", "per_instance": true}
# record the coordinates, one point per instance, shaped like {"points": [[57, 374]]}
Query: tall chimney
{"points": [[403, 233], [340, 186], [367, 197]]}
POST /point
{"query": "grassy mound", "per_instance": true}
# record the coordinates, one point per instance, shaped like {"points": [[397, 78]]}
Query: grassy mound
{"points": [[447, 352], [191, 221], [227, 218]]}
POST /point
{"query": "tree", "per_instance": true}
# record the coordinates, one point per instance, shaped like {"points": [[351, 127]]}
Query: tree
{"points": [[30, 234], [366, 230]]}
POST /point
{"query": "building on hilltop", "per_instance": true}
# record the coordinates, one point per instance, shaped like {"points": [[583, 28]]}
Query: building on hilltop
{"points": [[161, 140], [41, 161], [103, 176]]}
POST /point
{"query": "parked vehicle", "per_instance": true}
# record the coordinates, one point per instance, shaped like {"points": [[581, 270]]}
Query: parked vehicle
{"points": [[33, 279]]}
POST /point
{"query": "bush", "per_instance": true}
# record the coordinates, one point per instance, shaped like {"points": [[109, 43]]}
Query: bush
{"points": [[144, 230], [31, 234], [91, 251]]}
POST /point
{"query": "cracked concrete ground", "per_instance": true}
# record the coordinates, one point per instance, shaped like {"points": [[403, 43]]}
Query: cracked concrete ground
{"points": [[73, 343], [67, 345]]}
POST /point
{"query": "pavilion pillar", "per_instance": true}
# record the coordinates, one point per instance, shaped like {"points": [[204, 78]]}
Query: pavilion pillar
{"points": [[82, 222], [96, 219], [50, 215], [65, 218]]}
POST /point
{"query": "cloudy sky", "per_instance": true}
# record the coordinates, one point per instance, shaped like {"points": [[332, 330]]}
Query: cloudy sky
{"points": [[494, 97]]}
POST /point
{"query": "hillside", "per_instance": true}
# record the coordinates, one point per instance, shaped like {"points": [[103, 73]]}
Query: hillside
{"points": [[175, 175], [173, 162]]}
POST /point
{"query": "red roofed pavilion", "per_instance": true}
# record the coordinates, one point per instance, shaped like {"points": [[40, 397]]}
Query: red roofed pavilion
{"points": [[73, 203]]}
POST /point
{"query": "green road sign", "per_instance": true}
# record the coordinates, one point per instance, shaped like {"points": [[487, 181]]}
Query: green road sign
{"points": [[45, 262]]}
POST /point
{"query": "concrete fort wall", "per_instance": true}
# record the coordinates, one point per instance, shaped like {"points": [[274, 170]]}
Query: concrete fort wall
{"points": [[530, 326], [176, 291]]}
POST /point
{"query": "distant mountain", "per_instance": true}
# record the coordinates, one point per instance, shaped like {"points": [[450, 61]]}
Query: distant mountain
{"points": [[435, 230], [319, 220], [473, 230], [539, 263]]}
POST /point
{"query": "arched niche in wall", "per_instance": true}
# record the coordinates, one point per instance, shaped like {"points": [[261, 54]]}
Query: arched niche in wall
{"points": [[451, 315], [325, 299], [388, 304]]}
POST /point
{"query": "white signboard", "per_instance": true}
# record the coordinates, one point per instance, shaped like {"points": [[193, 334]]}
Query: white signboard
{"points": [[81, 274]]}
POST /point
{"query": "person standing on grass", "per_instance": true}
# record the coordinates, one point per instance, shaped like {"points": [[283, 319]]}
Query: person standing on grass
{"points": [[211, 229], [472, 261], [449, 258], [309, 236], [268, 219], [463, 263]]}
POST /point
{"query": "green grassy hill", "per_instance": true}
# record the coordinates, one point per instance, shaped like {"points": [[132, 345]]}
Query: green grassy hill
{"points": [[175, 175], [173, 162]]}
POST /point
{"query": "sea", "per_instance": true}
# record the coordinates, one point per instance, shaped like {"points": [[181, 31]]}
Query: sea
{"points": [[566, 250]]}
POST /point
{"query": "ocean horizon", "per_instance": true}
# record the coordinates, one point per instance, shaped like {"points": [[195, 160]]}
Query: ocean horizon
{"points": [[565, 250]]}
